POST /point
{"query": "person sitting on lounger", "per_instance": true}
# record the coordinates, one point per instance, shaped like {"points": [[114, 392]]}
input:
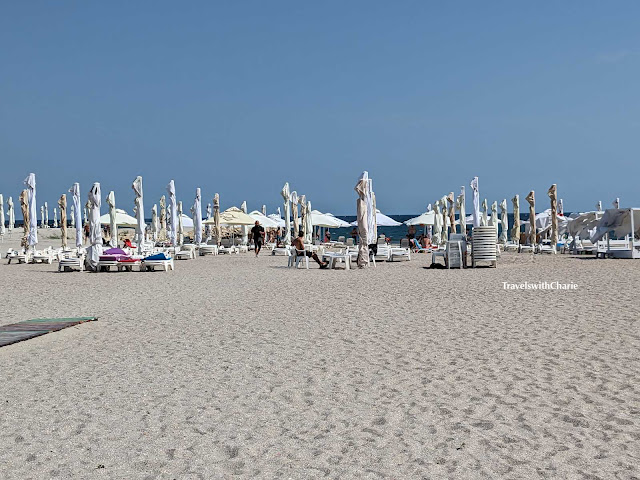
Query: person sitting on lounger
{"points": [[298, 244]]}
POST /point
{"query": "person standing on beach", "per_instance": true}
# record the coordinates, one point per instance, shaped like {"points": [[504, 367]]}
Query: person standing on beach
{"points": [[258, 234]]}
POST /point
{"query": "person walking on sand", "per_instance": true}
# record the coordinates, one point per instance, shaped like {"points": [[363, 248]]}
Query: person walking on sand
{"points": [[298, 244], [258, 234]]}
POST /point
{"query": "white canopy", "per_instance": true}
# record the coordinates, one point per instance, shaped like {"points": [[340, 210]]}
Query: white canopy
{"points": [[382, 221], [123, 219], [234, 216], [265, 221], [584, 224], [618, 220], [427, 218]]}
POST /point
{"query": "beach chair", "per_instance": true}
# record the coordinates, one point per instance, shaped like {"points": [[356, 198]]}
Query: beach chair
{"points": [[350, 242], [511, 246], [401, 252], [43, 256], [205, 249], [159, 260], [71, 263], [297, 256], [186, 252], [454, 258]]}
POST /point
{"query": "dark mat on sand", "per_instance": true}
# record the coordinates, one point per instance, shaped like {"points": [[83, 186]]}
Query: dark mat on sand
{"points": [[17, 332]]}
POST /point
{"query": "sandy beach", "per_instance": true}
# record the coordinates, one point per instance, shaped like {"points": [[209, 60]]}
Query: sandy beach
{"points": [[237, 367]]}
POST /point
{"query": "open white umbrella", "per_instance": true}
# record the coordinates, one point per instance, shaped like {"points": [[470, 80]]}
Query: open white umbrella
{"points": [[476, 202], [30, 182], [340, 223], [257, 216], [95, 231], [197, 218], [276, 217], [233, 216], [287, 225], [187, 221], [427, 218], [363, 204], [139, 210], [122, 219], [172, 214], [380, 219], [1, 215], [531, 198], [504, 221], [244, 228], [76, 210], [62, 203], [515, 230], [113, 222], [12, 214], [154, 223], [326, 220]]}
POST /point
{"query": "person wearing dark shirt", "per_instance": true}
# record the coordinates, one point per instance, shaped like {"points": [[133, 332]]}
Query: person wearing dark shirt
{"points": [[258, 234]]}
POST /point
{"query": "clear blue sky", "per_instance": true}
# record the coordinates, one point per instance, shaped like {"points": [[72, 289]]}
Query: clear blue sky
{"points": [[238, 97]]}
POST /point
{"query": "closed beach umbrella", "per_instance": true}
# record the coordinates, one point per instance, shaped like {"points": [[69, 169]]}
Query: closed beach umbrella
{"points": [[12, 214], [62, 203], [77, 220], [1, 215], [560, 207], [154, 222], [30, 182], [451, 206], [485, 220], [217, 228], [113, 225], [73, 215], [460, 203], [302, 201], [180, 224], [26, 224], [41, 216], [494, 216], [286, 197], [437, 226], [197, 218], [515, 230], [207, 227], [46, 215], [553, 197], [245, 228], [163, 213], [308, 224], [55, 217], [362, 205], [531, 198], [372, 233], [476, 202], [504, 221], [264, 210], [599, 206], [616, 203], [172, 218], [95, 230], [294, 213], [139, 209]]}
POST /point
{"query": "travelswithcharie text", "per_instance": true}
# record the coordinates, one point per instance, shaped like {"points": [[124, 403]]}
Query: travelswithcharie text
{"points": [[539, 286]]}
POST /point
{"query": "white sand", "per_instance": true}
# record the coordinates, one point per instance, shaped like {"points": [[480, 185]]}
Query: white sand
{"points": [[215, 371]]}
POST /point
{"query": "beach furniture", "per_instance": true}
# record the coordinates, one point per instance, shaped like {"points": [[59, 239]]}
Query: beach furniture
{"points": [[20, 256], [71, 263], [207, 250], [44, 256], [335, 258], [483, 245], [384, 252], [186, 252], [158, 260], [297, 256], [615, 249], [585, 246], [462, 238], [400, 252], [350, 242], [511, 246]]}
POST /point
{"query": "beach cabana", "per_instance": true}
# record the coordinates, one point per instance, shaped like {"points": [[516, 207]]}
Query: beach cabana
{"points": [[622, 222]]}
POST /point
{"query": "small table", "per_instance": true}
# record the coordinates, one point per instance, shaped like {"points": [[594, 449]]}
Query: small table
{"points": [[334, 257]]}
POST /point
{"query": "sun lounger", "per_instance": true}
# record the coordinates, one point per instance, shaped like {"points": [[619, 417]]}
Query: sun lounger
{"points": [[159, 260], [483, 246], [399, 253], [208, 250], [70, 264]]}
